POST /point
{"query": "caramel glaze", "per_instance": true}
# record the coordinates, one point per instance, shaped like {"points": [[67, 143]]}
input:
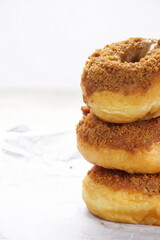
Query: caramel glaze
{"points": [[128, 137], [120, 180], [120, 67]]}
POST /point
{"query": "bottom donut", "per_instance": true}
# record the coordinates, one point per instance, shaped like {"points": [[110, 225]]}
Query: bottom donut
{"points": [[118, 196]]}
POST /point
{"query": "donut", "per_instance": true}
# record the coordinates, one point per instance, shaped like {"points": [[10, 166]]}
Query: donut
{"points": [[121, 82], [131, 147], [118, 196]]}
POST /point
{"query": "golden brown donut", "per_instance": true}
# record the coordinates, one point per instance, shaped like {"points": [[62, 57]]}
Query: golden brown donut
{"points": [[122, 197], [121, 82], [132, 147]]}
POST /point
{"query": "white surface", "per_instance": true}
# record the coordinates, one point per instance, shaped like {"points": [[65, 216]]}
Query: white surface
{"points": [[45, 43], [41, 173]]}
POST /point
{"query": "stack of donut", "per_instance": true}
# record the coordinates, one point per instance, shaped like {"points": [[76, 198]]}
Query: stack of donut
{"points": [[120, 131]]}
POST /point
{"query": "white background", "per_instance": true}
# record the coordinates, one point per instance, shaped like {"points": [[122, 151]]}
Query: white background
{"points": [[45, 43]]}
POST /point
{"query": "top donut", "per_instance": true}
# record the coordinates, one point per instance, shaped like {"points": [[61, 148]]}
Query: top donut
{"points": [[121, 82]]}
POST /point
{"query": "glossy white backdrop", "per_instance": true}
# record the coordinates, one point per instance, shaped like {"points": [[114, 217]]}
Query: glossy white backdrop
{"points": [[45, 43]]}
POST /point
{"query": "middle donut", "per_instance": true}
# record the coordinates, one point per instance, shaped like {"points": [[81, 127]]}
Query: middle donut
{"points": [[132, 147]]}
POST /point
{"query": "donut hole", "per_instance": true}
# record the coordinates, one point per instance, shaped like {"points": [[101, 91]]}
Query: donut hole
{"points": [[135, 55]]}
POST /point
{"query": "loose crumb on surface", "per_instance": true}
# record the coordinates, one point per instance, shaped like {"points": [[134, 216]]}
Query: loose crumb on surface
{"points": [[102, 223]]}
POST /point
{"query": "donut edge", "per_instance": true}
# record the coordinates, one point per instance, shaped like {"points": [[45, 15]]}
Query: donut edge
{"points": [[121, 205]]}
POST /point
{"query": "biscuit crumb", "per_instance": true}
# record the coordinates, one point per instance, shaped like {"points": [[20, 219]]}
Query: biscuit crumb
{"points": [[70, 167], [102, 223], [129, 137], [120, 180], [119, 67]]}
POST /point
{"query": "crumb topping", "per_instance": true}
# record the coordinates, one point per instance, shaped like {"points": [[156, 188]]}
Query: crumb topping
{"points": [[85, 110], [126, 66], [129, 136], [118, 180]]}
